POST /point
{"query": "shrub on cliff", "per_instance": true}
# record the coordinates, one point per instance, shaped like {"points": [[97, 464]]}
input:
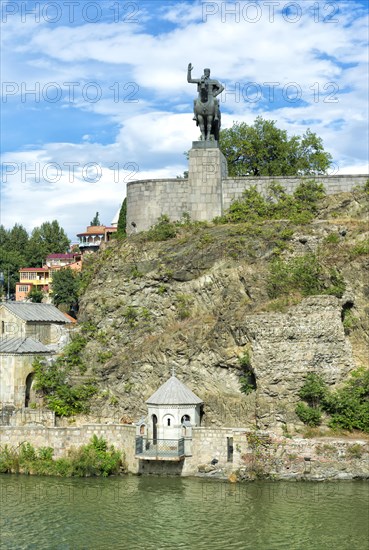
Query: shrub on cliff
{"points": [[305, 275], [347, 407], [308, 415], [163, 230], [52, 380], [299, 207]]}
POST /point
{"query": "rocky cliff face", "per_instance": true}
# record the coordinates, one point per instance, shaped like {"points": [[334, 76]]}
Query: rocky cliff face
{"points": [[202, 300]]}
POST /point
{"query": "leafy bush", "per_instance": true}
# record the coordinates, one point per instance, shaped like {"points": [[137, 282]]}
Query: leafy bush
{"points": [[313, 390], [348, 407], [247, 378], [163, 230], [52, 380], [349, 321], [337, 285], [299, 207], [36, 296], [93, 459], [305, 275], [308, 415], [302, 273]]}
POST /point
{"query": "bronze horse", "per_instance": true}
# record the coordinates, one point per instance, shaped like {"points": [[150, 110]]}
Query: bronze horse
{"points": [[205, 110]]}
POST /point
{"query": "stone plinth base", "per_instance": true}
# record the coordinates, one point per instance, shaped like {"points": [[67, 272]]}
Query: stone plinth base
{"points": [[207, 169], [205, 145]]}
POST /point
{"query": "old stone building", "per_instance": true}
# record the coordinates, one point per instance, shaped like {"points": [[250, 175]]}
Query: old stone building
{"points": [[43, 322], [27, 331], [16, 371]]}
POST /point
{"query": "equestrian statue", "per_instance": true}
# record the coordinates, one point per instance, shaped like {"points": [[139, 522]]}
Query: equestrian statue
{"points": [[206, 107]]}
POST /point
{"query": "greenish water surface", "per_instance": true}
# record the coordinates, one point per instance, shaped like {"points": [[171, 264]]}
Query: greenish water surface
{"points": [[154, 513]]}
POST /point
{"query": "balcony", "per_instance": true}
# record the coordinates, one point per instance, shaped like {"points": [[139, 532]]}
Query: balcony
{"points": [[160, 449], [90, 244]]}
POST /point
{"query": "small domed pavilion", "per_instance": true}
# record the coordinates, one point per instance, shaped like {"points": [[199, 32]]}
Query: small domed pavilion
{"points": [[172, 412]]}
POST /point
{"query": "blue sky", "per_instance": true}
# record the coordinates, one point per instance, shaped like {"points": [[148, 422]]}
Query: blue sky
{"points": [[94, 93]]}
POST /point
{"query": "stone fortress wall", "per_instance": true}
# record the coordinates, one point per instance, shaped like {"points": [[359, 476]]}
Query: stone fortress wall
{"points": [[208, 192]]}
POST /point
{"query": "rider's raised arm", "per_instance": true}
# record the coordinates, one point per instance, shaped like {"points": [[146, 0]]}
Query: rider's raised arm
{"points": [[189, 79]]}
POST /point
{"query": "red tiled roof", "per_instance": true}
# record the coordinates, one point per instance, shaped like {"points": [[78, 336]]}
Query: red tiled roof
{"points": [[91, 234]]}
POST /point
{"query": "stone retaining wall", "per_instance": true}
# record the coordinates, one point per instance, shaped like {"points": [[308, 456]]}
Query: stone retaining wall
{"points": [[264, 453], [208, 192], [63, 439], [234, 187]]}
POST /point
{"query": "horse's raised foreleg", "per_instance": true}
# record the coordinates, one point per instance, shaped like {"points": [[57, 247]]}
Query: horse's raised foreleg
{"points": [[209, 123], [200, 120]]}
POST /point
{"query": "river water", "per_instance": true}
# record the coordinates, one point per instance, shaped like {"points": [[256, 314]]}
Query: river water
{"points": [[162, 513]]}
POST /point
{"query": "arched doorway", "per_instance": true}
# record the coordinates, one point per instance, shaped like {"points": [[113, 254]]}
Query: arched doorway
{"points": [[154, 429], [29, 381]]}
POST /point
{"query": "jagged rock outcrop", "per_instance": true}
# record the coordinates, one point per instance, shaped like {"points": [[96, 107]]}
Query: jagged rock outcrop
{"points": [[201, 301]]}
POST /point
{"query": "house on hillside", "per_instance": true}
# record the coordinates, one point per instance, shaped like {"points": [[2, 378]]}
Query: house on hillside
{"points": [[29, 278], [41, 277], [62, 260], [94, 236]]}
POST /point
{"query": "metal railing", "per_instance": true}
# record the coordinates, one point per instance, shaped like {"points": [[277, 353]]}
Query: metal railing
{"points": [[159, 448]]}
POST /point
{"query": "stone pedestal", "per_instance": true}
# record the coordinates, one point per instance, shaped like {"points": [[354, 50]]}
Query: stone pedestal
{"points": [[207, 168]]}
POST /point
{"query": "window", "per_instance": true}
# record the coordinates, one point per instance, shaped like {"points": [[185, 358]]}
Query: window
{"points": [[168, 421], [23, 288], [29, 276]]}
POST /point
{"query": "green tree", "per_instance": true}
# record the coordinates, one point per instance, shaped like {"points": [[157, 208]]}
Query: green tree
{"points": [[265, 150], [50, 238], [122, 220], [35, 296], [10, 263], [65, 287], [18, 239], [4, 237], [13, 244], [95, 220]]}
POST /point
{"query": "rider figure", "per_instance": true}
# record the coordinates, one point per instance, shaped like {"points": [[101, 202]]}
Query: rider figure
{"points": [[214, 87]]}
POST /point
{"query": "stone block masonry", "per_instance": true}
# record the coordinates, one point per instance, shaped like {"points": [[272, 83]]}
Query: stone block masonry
{"points": [[234, 187], [63, 439], [207, 169], [207, 192], [262, 454]]}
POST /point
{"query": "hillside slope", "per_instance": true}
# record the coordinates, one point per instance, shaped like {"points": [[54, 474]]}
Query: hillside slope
{"points": [[241, 311]]}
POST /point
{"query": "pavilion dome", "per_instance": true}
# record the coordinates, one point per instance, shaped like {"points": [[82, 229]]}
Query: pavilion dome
{"points": [[173, 392]]}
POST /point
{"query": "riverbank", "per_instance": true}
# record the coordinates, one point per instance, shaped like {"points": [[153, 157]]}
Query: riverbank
{"points": [[223, 453]]}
